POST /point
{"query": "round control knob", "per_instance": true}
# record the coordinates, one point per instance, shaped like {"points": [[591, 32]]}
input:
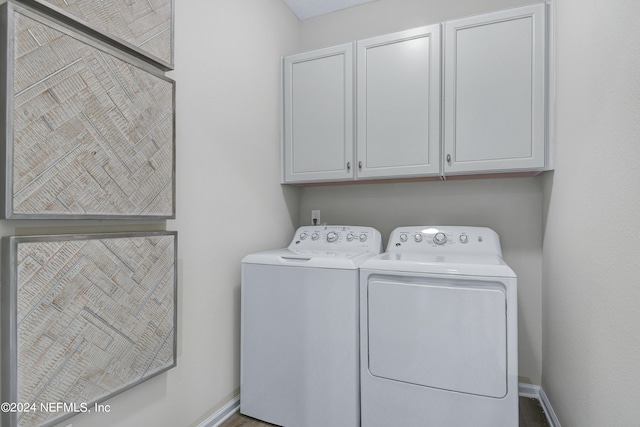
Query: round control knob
{"points": [[440, 238], [332, 237], [464, 238], [350, 237], [403, 237], [315, 236], [418, 237], [303, 235], [363, 237]]}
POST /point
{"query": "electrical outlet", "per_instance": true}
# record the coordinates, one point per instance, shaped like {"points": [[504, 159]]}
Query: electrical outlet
{"points": [[315, 217]]}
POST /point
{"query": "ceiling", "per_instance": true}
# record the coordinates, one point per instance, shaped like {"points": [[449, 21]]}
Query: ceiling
{"points": [[304, 9]]}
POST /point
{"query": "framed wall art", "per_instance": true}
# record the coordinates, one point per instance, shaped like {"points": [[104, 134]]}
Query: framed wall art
{"points": [[84, 317], [89, 131], [144, 28]]}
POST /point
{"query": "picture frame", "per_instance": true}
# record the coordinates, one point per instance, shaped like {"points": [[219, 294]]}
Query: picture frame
{"points": [[89, 130], [84, 317]]}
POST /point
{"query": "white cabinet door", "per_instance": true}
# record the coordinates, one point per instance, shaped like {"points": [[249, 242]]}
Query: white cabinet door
{"points": [[398, 99], [318, 115], [494, 92]]}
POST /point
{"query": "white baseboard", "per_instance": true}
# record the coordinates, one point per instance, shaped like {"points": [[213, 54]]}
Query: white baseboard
{"points": [[222, 414], [529, 390], [524, 390], [536, 392], [546, 404]]}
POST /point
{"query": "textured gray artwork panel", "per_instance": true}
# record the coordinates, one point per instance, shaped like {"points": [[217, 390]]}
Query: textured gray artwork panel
{"points": [[93, 317], [146, 24], [93, 135]]}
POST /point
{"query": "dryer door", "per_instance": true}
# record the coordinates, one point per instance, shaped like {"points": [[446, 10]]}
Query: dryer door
{"points": [[445, 334]]}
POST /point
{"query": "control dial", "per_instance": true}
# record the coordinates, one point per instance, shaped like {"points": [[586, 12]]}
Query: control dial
{"points": [[315, 236], [350, 237], [332, 236], [464, 238], [403, 238], [363, 237], [418, 237], [303, 235], [440, 238]]}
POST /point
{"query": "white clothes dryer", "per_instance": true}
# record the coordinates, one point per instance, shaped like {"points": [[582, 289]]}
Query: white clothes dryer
{"points": [[438, 321], [300, 328]]}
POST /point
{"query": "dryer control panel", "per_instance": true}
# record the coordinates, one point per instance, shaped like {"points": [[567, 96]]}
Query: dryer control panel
{"points": [[445, 240], [337, 238]]}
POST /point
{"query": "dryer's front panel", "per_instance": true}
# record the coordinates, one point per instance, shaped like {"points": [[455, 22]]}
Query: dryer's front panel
{"points": [[439, 333]]}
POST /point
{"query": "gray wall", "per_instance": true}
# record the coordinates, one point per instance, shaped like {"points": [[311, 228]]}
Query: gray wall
{"points": [[577, 227], [513, 206], [229, 203], [591, 291]]}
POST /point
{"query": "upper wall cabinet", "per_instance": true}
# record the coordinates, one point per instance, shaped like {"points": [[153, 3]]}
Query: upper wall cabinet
{"points": [[398, 104], [494, 103], [398, 112], [318, 115], [488, 113]]}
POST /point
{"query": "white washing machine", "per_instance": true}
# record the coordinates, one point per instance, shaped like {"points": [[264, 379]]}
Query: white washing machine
{"points": [[439, 321], [300, 328]]}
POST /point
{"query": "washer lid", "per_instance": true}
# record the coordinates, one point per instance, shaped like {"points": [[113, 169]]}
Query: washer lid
{"points": [[324, 246], [459, 264], [309, 258]]}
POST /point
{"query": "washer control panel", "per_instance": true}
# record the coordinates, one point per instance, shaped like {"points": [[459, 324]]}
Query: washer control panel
{"points": [[444, 239], [337, 238]]}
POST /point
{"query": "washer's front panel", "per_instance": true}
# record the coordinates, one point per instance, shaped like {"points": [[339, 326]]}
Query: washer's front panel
{"points": [[299, 354], [448, 335]]}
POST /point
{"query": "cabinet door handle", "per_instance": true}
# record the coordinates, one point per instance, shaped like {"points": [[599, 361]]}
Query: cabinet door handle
{"points": [[360, 165], [348, 166], [449, 158]]}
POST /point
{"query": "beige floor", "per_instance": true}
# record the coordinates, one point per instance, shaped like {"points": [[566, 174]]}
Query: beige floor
{"points": [[531, 415]]}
